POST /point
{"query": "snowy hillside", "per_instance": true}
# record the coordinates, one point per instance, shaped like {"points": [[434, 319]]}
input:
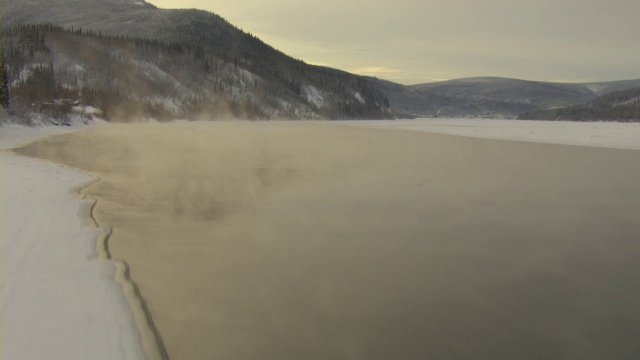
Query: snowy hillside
{"points": [[58, 71]]}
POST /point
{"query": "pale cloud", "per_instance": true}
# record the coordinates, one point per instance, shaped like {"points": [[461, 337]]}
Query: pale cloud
{"points": [[319, 63], [413, 40], [374, 71]]}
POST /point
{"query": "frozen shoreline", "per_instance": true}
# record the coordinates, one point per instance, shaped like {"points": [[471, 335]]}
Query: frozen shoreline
{"points": [[58, 299]]}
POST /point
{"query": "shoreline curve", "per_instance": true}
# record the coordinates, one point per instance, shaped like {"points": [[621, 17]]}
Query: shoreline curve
{"points": [[150, 337]]}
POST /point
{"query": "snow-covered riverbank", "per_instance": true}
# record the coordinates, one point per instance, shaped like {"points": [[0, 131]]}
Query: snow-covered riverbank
{"points": [[58, 300]]}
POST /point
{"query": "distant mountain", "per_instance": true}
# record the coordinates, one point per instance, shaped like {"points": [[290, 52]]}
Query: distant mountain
{"points": [[410, 101], [133, 59], [603, 88], [539, 94], [542, 95], [623, 105]]}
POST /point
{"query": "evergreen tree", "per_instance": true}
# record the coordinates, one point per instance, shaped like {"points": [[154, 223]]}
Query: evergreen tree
{"points": [[4, 87]]}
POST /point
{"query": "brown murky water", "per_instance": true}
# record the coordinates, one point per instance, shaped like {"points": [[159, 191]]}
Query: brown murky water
{"points": [[318, 241]]}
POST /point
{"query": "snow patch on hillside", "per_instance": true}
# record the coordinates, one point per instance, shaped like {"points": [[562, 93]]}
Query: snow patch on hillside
{"points": [[596, 87], [70, 72], [78, 68], [169, 104], [628, 102], [26, 73], [246, 78], [313, 95], [300, 111], [87, 110], [153, 72]]}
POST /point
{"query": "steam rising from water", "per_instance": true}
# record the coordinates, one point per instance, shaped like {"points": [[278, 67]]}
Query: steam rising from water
{"points": [[306, 240]]}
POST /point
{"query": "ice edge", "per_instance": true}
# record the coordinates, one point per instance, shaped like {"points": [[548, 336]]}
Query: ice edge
{"points": [[150, 337]]}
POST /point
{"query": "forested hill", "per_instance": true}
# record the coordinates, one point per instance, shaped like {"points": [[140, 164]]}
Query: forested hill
{"points": [[139, 19], [128, 59], [52, 70]]}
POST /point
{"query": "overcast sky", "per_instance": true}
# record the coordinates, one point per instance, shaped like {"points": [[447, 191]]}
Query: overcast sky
{"points": [[417, 41]]}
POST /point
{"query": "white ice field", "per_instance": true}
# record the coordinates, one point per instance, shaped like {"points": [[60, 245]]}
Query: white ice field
{"points": [[596, 134]]}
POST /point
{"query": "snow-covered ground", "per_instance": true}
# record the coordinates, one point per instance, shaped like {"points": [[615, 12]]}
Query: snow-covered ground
{"points": [[596, 134], [58, 300]]}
